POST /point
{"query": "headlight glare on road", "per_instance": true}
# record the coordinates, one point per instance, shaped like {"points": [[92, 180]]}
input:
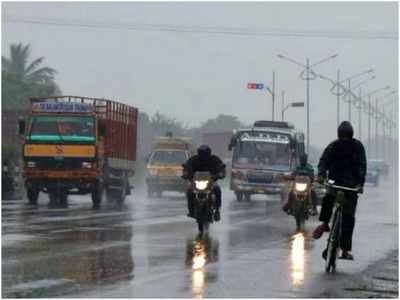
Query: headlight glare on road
{"points": [[31, 164], [301, 187], [201, 184]]}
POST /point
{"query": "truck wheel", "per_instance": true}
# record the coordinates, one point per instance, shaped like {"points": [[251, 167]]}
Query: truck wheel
{"points": [[33, 196], [97, 195], [239, 196]]}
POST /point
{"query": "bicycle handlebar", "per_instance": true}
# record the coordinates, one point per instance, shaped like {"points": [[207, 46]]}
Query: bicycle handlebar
{"points": [[357, 189]]}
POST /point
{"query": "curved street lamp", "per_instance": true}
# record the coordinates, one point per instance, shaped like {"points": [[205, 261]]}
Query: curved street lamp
{"points": [[307, 74]]}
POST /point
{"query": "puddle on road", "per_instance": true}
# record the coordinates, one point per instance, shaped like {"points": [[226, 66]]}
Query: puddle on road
{"points": [[297, 258], [199, 253], [84, 254]]}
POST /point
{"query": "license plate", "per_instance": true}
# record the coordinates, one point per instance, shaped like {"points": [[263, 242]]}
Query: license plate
{"points": [[166, 172]]}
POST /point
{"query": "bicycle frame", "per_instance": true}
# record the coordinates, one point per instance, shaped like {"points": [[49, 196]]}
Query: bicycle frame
{"points": [[336, 228]]}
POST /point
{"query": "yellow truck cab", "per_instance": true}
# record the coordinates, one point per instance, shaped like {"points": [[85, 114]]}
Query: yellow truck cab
{"points": [[164, 165]]}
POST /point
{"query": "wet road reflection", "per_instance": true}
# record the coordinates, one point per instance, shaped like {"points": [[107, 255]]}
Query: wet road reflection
{"points": [[199, 253], [297, 248]]}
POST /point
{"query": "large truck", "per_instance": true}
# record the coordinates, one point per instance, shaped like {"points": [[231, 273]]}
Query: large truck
{"points": [[78, 145], [164, 165], [262, 156]]}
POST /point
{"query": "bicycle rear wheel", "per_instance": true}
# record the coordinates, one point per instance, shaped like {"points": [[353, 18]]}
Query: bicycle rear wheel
{"points": [[333, 242]]}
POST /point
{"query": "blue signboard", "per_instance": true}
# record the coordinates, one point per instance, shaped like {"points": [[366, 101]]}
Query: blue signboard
{"points": [[67, 107]]}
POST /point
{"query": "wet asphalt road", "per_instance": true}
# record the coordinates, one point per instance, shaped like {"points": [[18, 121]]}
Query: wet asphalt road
{"points": [[149, 248]]}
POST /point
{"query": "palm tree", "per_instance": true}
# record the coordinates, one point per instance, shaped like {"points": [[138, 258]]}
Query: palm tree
{"points": [[22, 70]]}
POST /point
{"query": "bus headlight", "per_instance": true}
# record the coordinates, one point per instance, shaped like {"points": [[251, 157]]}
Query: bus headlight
{"points": [[87, 165], [31, 164]]}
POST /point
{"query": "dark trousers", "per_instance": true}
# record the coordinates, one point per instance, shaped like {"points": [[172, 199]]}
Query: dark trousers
{"points": [[216, 191], [348, 221]]}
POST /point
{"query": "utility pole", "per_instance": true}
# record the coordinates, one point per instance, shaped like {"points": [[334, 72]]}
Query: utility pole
{"points": [[273, 96], [308, 105], [338, 99], [384, 135], [349, 87], [283, 103], [309, 75], [359, 116], [369, 125], [376, 129]]}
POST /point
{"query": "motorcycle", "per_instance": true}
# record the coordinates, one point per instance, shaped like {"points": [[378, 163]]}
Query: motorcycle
{"points": [[204, 200], [301, 204]]}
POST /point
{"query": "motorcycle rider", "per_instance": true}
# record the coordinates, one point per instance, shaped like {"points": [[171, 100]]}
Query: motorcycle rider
{"points": [[345, 161], [304, 169], [204, 161]]}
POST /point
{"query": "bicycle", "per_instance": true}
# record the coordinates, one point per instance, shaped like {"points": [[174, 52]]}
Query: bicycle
{"points": [[330, 253]]}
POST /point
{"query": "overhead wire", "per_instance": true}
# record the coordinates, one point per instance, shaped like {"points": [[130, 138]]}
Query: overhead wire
{"points": [[274, 32]]}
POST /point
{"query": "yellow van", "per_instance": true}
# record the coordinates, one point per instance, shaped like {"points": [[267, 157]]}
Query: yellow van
{"points": [[164, 165]]}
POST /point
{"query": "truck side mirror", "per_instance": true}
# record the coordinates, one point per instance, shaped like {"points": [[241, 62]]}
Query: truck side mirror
{"points": [[21, 126]]}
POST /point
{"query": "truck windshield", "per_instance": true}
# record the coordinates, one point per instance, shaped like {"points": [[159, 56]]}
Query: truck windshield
{"points": [[64, 129], [262, 155], [166, 157]]}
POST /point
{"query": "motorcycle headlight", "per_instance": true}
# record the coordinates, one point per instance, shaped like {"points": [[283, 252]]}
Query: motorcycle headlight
{"points": [[87, 165], [31, 164], [153, 171], [301, 187], [201, 184]]}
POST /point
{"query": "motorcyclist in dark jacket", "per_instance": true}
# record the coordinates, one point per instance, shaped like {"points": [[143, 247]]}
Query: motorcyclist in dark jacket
{"points": [[305, 169], [344, 159], [204, 161]]}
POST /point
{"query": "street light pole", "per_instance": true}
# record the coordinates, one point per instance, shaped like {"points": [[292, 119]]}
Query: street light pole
{"points": [[377, 121], [273, 95], [283, 103], [293, 104], [359, 117], [309, 75], [338, 99], [308, 105], [349, 87], [369, 124]]}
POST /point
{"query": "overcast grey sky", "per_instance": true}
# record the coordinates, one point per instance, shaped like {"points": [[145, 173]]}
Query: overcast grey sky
{"points": [[196, 76]]}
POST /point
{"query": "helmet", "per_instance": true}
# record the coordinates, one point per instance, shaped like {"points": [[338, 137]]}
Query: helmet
{"points": [[204, 151], [345, 130], [303, 159]]}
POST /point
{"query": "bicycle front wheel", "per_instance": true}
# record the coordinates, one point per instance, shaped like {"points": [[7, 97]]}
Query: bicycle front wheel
{"points": [[333, 242]]}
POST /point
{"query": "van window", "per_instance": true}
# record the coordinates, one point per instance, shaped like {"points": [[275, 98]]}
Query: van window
{"points": [[168, 157]]}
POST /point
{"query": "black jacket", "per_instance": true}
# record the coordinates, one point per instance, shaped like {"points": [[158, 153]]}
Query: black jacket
{"points": [[212, 164], [345, 162]]}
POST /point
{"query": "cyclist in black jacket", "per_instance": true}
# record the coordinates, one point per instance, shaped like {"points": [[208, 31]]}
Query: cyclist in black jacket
{"points": [[344, 159]]}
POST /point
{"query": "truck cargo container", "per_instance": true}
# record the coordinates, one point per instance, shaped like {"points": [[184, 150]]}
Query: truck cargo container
{"points": [[78, 145]]}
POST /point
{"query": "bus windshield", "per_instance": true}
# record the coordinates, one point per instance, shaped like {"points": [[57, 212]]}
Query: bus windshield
{"points": [[262, 155], [61, 129]]}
